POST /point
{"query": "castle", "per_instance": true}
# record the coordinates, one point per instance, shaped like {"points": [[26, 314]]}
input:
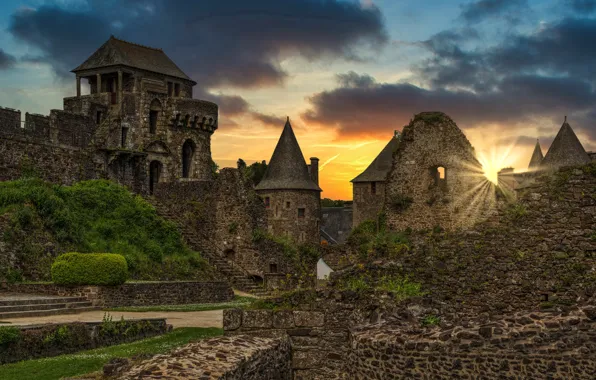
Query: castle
{"points": [[140, 127]]}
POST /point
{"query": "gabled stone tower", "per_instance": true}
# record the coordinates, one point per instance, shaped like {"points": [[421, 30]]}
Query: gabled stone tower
{"points": [[369, 186], [566, 150], [291, 192], [435, 179], [537, 157]]}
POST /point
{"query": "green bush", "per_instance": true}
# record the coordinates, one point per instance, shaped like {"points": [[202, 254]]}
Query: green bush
{"points": [[89, 269], [93, 217], [9, 334]]}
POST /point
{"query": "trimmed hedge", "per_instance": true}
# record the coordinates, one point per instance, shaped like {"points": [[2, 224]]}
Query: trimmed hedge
{"points": [[89, 269]]}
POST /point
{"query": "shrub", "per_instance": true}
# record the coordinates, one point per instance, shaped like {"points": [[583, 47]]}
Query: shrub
{"points": [[430, 320], [9, 334], [89, 269]]}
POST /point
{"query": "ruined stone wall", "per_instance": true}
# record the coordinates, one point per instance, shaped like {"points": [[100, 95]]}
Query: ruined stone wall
{"points": [[39, 125], [230, 358], [318, 324], [534, 346], [10, 120], [135, 294], [537, 253], [285, 219], [337, 222], [416, 196], [365, 204]]}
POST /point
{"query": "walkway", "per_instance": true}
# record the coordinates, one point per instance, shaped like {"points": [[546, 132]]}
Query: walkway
{"points": [[211, 318]]}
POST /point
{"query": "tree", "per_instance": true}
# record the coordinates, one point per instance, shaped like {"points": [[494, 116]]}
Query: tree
{"points": [[326, 202], [254, 171]]}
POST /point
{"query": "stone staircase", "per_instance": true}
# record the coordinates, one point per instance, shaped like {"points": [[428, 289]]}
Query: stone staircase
{"points": [[37, 306], [235, 275]]}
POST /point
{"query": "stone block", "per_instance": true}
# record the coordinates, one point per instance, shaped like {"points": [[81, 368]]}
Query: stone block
{"points": [[307, 359], [309, 318], [283, 319], [257, 319], [232, 319]]}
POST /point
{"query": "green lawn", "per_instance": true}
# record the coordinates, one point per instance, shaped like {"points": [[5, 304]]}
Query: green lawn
{"points": [[90, 361], [238, 301]]}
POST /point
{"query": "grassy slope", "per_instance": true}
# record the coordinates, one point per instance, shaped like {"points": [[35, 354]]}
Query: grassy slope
{"points": [[237, 302], [93, 360], [42, 220]]}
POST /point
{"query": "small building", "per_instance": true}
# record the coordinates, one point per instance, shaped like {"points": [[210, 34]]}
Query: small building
{"points": [[290, 191], [368, 188]]}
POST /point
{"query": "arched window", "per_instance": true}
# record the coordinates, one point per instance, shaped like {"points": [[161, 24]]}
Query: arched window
{"points": [[195, 122], [154, 109], [154, 174], [188, 152], [439, 175], [186, 120]]}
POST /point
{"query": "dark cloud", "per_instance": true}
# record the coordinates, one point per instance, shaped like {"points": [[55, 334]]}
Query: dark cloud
{"points": [[377, 109], [269, 120], [7, 61], [582, 6], [477, 11], [226, 42]]}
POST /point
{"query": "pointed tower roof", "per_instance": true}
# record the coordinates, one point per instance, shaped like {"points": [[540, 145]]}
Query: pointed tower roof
{"points": [[116, 52], [378, 169], [566, 150], [537, 157], [287, 169]]}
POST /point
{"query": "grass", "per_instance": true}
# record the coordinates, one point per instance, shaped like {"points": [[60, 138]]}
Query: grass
{"points": [[238, 301], [91, 361], [96, 216]]}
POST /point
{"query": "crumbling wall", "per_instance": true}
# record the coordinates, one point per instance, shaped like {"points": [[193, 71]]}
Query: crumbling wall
{"points": [[230, 358], [337, 222], [534, 346], [432, 146]]}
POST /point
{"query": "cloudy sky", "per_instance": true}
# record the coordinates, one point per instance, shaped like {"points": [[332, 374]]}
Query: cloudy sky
{"points": [[347, 73]]}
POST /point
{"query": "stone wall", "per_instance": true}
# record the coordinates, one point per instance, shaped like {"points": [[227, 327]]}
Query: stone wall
{"points": [[365, 204], [230, 358], [337, 222], [417, 197], [39, 341], [534, 346], [136, 294], [285, 218], [318, 324]]}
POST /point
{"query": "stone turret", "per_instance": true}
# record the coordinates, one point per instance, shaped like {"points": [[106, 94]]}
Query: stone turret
{"points": [[566, 150], [290, 192], [537, 157], [368, 188]]}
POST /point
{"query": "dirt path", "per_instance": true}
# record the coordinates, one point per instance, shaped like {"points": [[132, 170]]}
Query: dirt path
{"points": [[211, 318]]}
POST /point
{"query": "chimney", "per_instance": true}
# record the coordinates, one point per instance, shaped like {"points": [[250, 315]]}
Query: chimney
{"points": [[313, 168]]}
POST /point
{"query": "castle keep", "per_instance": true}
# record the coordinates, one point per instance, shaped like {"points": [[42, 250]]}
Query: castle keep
{"points": [[138, 125]]}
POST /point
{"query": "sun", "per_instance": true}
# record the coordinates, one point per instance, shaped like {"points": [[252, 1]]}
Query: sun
{"points": [[496, 159]]}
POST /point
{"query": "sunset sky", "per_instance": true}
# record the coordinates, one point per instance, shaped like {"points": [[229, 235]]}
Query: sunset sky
{"points": [[347, 73]]}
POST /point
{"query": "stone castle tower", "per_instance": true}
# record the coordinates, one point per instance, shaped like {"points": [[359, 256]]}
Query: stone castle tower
{"points": [[291, 192], [566, 150], [537, 157], [369, 186]]}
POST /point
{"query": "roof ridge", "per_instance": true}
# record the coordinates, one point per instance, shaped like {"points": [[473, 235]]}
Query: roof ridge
{"points": [[134, 43]]}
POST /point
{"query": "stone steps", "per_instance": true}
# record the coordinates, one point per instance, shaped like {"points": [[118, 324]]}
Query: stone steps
{"points": [[44, 306], [39, 301], [44, 313], [237, 278]]}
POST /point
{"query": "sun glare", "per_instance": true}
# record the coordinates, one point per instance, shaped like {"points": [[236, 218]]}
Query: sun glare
{"points": [[497, 159]]}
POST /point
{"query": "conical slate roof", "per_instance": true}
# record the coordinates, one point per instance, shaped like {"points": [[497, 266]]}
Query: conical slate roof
{"points": [[566, 150], [116, 52], [287, 169], [537, 157], [378, 169]]}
